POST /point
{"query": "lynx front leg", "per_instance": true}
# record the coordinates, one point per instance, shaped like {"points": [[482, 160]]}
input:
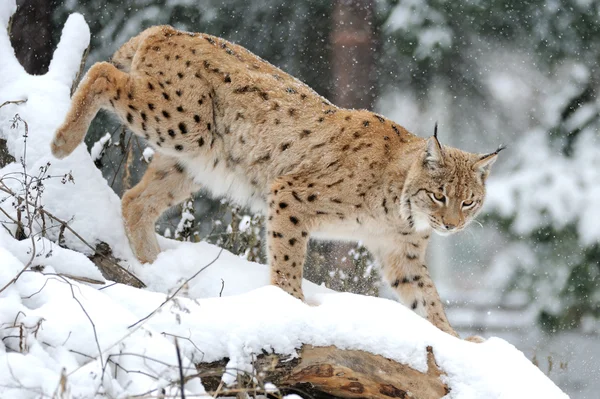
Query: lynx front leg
{"points": [[164, 184], [404, 268], [102, 84], [287, 238]]}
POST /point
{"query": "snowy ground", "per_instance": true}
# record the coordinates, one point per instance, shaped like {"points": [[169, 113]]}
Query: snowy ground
{"points": [[67, 339]]}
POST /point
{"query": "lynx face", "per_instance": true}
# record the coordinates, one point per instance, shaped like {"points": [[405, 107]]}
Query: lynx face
{"points": [[446, 190]]}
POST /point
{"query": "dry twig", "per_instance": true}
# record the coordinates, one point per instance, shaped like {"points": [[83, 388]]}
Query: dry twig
{"points": [[177, 290], [80, 72], [180, 364], [16, 102]]}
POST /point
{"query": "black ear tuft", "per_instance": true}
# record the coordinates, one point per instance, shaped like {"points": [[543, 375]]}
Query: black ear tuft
{"points": [[485, 162], [435, 130], [434, 155], [500, 148]]}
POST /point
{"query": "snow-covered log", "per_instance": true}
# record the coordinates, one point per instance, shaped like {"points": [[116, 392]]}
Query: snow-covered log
{"points": [[323, 371], [66, 332]]}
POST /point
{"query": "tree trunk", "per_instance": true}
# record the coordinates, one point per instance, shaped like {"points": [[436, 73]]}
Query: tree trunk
{"points": [[31, 34], [353, 43], [353, 60]]}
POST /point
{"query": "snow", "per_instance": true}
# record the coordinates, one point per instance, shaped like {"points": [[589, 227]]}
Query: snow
{"points": [[418, 16], [74, 41], [430, 38], [49, 254], [245, 223], [98, 148], [543, 190], [148, 154], [566, 188], [65, 338]]}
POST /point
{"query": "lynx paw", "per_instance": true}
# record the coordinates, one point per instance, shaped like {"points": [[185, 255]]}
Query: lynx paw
{"points": [[64, 142], [58, 145], [475, 339], [283, 280], [295, 292], [299, 296]]}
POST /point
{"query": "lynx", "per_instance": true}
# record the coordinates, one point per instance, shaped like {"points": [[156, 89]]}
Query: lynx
{"points": [[223, 119]]}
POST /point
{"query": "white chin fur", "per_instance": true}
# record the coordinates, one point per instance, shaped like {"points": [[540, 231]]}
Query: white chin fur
{"points": [[421, 222]]}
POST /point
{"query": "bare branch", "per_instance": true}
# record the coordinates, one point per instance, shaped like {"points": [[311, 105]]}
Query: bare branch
{"points": [[82, 279], [125, 151], [80, 72], [16, 102], [180, 364], [125, 179], [177, 290], [90, 319], [186, 338]]}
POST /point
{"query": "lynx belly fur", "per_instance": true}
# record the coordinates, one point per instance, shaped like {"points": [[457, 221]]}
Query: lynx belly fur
{"points": [[223, 119]]}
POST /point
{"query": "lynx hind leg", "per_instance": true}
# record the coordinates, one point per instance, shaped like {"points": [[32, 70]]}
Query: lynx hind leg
{"points": [[101, 84], [287, 238], [165, 183]]}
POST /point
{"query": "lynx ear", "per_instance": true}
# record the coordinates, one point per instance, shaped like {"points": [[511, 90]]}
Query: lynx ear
{"points": [[484, 163], [433, 153]]}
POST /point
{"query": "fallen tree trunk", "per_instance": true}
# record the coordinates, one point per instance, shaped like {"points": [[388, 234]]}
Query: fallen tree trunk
{"points": [[110, 268], [325, 372]]}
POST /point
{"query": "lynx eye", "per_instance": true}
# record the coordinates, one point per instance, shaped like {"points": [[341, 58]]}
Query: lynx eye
{"points": [[467, 204], [438, 197]]}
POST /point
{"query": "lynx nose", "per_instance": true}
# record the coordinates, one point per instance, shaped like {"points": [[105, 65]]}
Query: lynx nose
{"points": [[449, 226]]}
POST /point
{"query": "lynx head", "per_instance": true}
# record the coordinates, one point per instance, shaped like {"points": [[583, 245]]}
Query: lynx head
{"points": [[445, 187]]}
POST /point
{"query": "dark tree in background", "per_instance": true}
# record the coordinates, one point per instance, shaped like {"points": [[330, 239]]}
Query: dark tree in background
{"points": [[353, 51], [32, 34], [354, 83]]}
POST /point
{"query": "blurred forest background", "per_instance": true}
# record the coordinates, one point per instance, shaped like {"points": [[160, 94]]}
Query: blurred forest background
{"points": [[522, 73]]}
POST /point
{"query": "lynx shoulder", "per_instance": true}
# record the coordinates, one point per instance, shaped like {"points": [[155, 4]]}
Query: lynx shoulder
{"points": [[221, 118]]}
